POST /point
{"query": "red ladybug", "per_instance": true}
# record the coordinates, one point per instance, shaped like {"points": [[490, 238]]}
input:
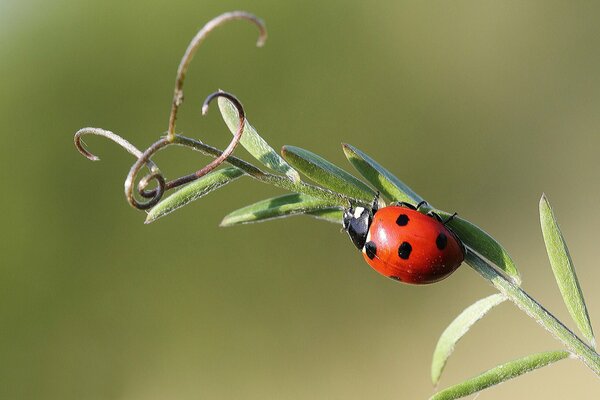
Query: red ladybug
{"points": [[404, 244]]}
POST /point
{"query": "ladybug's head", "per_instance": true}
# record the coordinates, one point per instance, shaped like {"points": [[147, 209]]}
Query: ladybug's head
{"points": [[356, 223]]}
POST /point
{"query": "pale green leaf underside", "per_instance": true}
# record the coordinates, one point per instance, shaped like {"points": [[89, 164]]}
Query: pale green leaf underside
{"points": [[193, 191], [564, 271], [332, 215], [457, 329], [390, 187], [327, 174], [279, 207], [500, 374], [254, 143], [481, 242]]}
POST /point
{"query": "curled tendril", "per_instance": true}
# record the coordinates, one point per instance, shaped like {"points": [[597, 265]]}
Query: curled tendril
{"points": [[144, 158], [191, 50], [131, 149], [236, 138], [156, 194], [155, 173]]}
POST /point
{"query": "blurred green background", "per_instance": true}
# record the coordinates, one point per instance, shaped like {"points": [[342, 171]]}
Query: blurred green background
{"points": [[479, 106]]}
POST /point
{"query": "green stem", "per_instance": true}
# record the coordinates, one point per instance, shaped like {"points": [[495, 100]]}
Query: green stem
{"points": [[535, 310], [517, 295], [283, 182]]}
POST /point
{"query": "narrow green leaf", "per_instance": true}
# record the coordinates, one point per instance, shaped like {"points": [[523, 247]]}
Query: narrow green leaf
{"points": [[499, 374], [328, 214], [457, 329], [390, 187], [327, 174], [193, 191], [254, 143], [481, 242], [278, 207], [564, 271]]}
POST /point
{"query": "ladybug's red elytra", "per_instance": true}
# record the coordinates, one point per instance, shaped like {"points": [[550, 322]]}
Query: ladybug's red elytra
{"points": [[404, 244]]}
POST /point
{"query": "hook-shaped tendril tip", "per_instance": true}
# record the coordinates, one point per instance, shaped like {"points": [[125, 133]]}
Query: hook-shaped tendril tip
{"points": [[191, 50], [77, 139], [236, 138]]}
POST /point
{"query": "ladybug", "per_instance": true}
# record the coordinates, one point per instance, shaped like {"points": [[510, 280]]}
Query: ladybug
{"points": [[400, 242]]}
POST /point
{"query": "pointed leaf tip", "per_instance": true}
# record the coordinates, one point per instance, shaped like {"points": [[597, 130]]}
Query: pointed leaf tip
{"points": [[193, 191], [482, 243], [457, 329], [499, 374], [283, 206], [383, 180], [327, 174], [564, 270], [254, 143]]}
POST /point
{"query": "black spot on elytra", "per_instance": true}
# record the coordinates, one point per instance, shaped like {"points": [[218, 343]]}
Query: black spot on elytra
{"points": [[371, 249], [404, 250], [402, 220], [441, 241]]}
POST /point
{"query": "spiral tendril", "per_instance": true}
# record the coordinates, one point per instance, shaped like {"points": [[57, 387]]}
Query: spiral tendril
{"points": [[154, 195]]}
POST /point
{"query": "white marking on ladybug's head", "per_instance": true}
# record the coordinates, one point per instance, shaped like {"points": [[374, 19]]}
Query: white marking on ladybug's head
{"points": [[358, 212]]}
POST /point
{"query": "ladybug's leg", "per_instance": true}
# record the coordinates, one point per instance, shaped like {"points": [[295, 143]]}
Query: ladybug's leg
{"points": [[404, 204], [450, 218], [435, 216], [421, 204]]}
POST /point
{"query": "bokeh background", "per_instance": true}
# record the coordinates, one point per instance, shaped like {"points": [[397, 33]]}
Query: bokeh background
{"points": [[479, 106]]}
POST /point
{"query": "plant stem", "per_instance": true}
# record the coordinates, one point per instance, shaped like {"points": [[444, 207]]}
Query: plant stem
{"points": [[283, 182], [536, 311]]}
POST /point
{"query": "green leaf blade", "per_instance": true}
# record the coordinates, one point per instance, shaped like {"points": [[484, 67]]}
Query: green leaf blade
{"points": [[564, 270], [280, 207], [328, 214], [193, 191], [501, 373], [389, 185], [457, 329], [481, 242], [254, 143], [327, 174]]}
